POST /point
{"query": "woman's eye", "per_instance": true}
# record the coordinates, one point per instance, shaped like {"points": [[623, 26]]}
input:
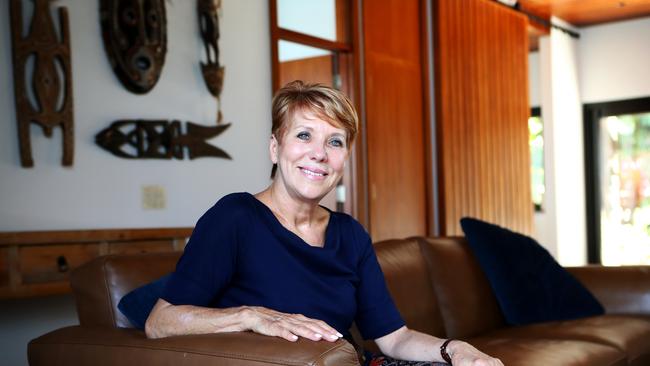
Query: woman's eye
{"points": [[336, 143], [303, 136]]}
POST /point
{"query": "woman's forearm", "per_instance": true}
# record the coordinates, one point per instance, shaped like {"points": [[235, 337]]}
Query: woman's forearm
{"points": [[168, 320], [407, 344]]}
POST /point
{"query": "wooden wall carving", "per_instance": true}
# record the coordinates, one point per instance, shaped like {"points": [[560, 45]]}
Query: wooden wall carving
{"points": [[209, 26], [135, 40], [140, 139], [50, 83], [481, 68], [213, 72]]}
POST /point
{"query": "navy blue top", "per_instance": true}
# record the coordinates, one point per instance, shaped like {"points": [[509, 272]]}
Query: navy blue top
{"points": [[240, 254]]}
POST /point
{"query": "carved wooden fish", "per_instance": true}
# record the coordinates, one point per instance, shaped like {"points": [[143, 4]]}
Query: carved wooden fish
{"points": [[160, 139]]}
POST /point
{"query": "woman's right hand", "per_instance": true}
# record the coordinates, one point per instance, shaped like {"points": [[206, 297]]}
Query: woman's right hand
{"points": [[288, 326]]}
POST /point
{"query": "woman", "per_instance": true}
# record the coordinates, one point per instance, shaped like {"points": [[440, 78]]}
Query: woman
{"points": [[278, 264]]}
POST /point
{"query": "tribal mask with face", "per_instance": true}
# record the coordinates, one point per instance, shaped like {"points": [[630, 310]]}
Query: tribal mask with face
{"points": [[135, 39]]}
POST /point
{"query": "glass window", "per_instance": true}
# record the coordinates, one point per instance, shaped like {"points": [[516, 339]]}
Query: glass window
{"points": [[313, 17], [625, 193], [536, 142]]}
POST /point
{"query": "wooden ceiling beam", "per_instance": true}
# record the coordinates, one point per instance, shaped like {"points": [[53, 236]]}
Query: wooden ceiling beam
{"points": [[582, 13]]}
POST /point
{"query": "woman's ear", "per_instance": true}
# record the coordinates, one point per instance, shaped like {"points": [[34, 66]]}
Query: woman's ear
{"points": [[273, 149]]}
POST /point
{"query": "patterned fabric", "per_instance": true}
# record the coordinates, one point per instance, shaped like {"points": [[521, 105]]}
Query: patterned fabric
{"points": [[380, 360]]}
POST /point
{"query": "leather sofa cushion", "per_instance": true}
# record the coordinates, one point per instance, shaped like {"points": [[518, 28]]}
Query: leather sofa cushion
{"points": [[624, 332], [409, 284], [545, 352], [406, 275], [622, 290], [99, 284], [467, 304]]}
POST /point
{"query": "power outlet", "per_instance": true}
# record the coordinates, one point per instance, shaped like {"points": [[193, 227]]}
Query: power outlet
{"points": [[153, 197]]}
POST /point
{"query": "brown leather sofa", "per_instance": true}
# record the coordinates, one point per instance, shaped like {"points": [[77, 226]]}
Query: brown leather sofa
{"points": [[436, 283]]}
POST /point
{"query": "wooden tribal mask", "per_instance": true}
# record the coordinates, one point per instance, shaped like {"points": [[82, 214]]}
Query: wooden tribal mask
{"points": [[135, 39], [209, 26]]}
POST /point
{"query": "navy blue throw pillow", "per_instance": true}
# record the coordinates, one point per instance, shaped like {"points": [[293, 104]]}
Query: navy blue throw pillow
{"points": [[137, 304], [530, 286]]}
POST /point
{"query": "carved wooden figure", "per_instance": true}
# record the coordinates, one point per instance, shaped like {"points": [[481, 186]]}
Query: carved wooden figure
{"points": [[135, 40], [159, 139], [50, 83], [209, 25]]}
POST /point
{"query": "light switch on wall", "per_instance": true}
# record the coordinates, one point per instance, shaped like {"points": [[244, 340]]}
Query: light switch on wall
{"points": [[153, 197]]}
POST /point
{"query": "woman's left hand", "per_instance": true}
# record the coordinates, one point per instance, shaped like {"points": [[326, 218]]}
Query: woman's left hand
{"points": [[464, 354]]}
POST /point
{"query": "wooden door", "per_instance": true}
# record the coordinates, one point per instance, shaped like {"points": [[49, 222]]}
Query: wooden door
{"points": [[395, 118]]}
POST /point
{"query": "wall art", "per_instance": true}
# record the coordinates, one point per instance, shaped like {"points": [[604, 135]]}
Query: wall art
{"points": [[135, 40], [209, 27], [160, 139], [42, 77]]}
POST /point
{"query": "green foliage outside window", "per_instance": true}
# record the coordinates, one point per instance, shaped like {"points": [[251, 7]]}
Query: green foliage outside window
{"points": [[625, 196]]}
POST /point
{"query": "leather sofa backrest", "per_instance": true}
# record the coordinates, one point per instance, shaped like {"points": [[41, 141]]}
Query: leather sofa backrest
{"points": [[409, 283], [466, 301], [99, 285], [621, 289], [435, 282]]}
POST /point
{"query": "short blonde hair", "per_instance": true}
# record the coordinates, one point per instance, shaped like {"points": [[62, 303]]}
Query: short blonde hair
{"points": [[325, 102]]}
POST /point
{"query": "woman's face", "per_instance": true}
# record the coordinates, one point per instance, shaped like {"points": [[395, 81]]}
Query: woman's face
{"points": [[310, 156]]}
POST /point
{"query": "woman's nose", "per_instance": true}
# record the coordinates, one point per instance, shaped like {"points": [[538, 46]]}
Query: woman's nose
{"points": [[318, 152]]}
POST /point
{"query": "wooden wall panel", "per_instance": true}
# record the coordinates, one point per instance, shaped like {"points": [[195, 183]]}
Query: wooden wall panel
{"points": [[394, 118], [313, 69], [481, 68]]}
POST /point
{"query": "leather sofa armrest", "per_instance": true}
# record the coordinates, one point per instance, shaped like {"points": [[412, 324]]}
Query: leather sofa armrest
{"points": [[621, 290], [82, 345]]}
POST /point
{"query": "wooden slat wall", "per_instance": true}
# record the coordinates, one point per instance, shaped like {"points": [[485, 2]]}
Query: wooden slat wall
{"points": [[481, 68], [395, 118]]}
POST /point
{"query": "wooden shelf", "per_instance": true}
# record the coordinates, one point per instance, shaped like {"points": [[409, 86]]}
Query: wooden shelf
{"points": [[38, 263]]}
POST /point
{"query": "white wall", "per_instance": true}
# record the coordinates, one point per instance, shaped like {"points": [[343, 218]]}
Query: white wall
{"points": [[567, 136], [615, 61], [103, 191], [561, 227], [534, 87]]}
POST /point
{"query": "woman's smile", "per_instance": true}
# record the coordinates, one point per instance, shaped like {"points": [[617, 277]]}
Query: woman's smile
{"points": [[314, 173]]}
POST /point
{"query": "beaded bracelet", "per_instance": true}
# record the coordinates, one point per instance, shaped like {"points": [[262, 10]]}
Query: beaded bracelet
{"points": [[443, 351]]}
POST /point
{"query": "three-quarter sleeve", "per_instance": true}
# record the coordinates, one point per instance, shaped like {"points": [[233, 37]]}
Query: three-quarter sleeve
{"points": [[209, 259], [377, 314]]}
